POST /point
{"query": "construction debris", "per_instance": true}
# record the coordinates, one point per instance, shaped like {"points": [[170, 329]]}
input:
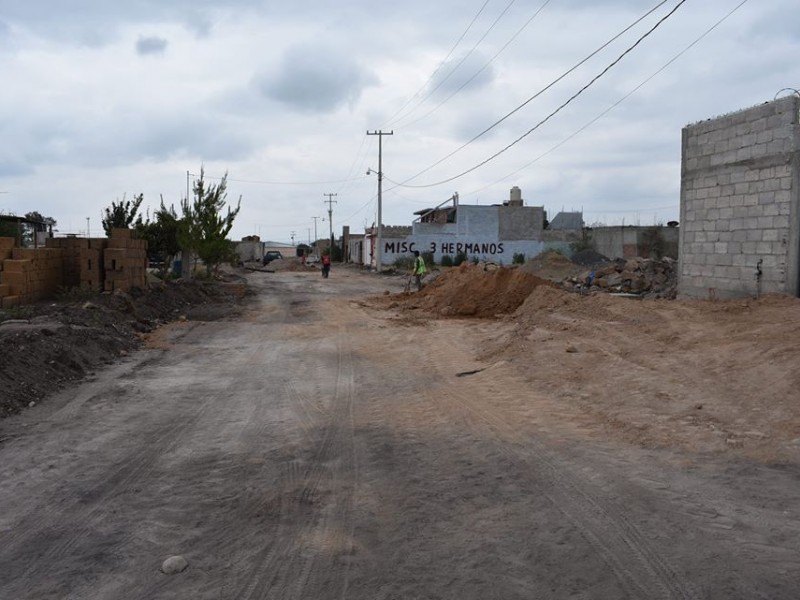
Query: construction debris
{"points": [[645, 277]]}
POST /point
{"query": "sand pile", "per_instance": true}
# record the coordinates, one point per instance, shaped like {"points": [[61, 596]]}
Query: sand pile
{"points": [[476, 291], [554, 266]]}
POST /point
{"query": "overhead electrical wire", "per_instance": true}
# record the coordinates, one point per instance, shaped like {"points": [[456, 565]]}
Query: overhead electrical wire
{"points": [[461, 62], [483, 68], [436, 70], [617, 103], [557, 110], [540, 92]]}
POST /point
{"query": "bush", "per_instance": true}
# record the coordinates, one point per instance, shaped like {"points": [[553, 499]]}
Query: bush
{"points": [[519, 258], [475, 260], [404, 263], [447, 260], [428, 258], [460, 258]]}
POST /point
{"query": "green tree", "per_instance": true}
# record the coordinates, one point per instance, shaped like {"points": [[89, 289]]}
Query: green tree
{"points": [[122, 215], [161, 234], [203, 229]]}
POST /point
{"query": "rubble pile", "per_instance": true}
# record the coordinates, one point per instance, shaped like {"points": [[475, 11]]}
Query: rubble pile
{"points": [[648, 277]]}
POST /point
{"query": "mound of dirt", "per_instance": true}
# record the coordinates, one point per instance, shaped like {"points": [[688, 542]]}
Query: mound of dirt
{"points": [[476, 291], [706, 375], [551, 265], [45, 345]]}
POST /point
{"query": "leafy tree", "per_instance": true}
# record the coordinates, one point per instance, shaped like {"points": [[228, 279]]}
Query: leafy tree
{"points": [[161, 234], [122, 215], [203, 229]]}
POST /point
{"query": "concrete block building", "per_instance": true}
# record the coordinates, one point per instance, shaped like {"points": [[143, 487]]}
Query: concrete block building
{"points": [[495, 233], [740, 203]]}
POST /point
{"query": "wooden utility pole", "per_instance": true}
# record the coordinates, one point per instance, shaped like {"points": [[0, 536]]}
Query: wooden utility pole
{"points": [[330, 202], [379, 239]]}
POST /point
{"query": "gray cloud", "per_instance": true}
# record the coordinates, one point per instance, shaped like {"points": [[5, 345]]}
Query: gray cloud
{"points": [[316, 79], [151, 45], [462, 74]]}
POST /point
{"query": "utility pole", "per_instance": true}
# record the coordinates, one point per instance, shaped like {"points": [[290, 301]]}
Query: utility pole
{"points": [[316, 239], [293, 234], [88, 235], [379, 241], [330, 202]]}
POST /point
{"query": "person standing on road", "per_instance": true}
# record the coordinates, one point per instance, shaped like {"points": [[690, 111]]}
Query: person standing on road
{"points": [[326, 264], [419, 269]]}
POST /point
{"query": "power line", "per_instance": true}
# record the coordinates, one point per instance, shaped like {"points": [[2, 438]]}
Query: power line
{"points": [[560, 107], [463, 59], [618, 102], [483, 68], [436, 70], [540, 92]]}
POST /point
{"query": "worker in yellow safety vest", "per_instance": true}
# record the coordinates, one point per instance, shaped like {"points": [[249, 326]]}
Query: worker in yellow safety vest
{"points": [[419, 269]]}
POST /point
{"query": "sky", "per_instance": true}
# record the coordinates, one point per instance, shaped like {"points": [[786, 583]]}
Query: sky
{"points": [[101, 101]]}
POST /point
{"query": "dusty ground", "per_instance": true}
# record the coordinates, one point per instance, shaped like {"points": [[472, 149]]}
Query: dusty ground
{"points": [[335, 442], [46, 345]]}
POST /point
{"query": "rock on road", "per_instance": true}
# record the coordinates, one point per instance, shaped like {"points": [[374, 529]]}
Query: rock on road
{"points": [[318, 447]]}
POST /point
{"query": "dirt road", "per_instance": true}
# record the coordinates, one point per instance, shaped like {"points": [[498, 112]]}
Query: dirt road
{"points": [[322, 446]]}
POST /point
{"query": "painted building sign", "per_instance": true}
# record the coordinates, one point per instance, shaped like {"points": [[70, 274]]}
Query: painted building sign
{"points": [[441, 248]]}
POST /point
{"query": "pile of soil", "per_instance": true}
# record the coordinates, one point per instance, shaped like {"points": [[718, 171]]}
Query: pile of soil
{"points": [[43, 346], [554, 266], [706, 375], [475, 291]]}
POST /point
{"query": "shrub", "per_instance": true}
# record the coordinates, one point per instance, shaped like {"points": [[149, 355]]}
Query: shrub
{"points": [[475, 260], [447, 260], [519, 258], [428, 258], [404, 263], [460, 258]]}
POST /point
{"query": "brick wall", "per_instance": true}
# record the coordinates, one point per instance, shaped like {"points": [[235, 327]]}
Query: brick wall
{"points": [[29, 274], [740, 184], [99, 264]]}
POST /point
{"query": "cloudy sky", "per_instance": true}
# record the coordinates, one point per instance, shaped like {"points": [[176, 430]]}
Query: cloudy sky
{"points": [[103, 100]]}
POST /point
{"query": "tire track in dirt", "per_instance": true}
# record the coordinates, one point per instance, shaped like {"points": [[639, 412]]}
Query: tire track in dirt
{"points": [[76, 525], [314, 513], [73, 525], [639, 568]]}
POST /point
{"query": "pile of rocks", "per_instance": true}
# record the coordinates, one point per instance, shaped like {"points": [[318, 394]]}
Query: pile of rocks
{"points": [[651, 278]]}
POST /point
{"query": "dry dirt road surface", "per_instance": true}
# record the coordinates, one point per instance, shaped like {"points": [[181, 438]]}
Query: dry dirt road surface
{"points": [[324, 446]]}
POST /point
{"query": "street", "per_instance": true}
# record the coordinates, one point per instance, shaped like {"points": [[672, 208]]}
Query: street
{"points": [[324, 446]]}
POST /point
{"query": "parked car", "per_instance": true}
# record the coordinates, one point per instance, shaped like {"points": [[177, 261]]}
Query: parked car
{"points": [[272, 255]]}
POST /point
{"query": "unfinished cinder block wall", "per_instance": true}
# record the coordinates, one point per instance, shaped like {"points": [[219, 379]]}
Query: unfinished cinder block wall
{"points": [[740, 194]]}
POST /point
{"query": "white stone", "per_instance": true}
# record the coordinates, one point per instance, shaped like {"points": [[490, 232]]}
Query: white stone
{"points": [[173, 565]]}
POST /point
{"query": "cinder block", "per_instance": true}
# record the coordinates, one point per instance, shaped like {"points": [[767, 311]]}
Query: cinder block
{"points": [[113, 259], [17, 265], [10, 301], [7, 243], [18, 283], [98, 243], [122, 233], [5, 290]]}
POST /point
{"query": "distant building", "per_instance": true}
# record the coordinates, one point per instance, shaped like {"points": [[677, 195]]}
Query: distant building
{"points": [[628, 241], [492, 233]]}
